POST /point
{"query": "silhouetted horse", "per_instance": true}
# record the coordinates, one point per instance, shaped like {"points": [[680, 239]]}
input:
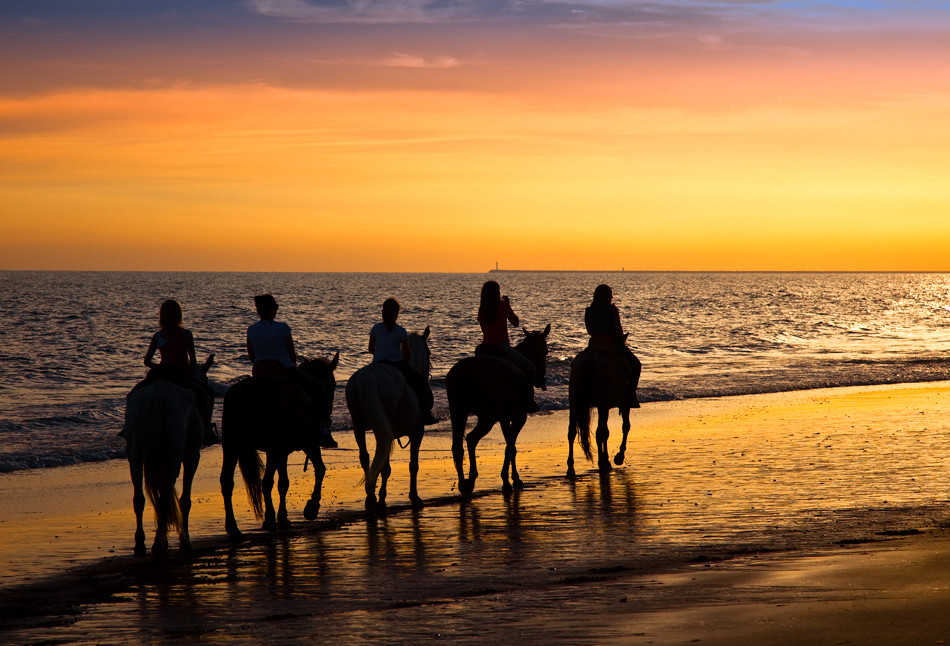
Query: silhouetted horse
{"points": [[272, 415], [379, 398], [163, 431], [598, 380], [492, 389]]}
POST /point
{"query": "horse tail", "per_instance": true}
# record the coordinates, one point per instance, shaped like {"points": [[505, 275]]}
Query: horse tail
{"points": [[238, 419], [162, 494], [252, 470], [579, 402]]}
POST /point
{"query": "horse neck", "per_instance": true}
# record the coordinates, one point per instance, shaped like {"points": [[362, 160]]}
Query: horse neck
{"points": [[418, 356], [318, 369], [531, 349]]}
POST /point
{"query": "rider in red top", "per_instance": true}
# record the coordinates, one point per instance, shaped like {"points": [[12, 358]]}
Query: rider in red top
{"points": [[494, 315]]}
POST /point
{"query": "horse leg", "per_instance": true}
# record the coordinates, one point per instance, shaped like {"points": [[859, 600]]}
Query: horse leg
{"points": [[384, 474], [184, 501], [360, 435], [229, 463], [283, 485], [509, 456], [603, 432], [625, 416], [312, 507], [571, 434], [267, 484], [482, 427], [512, 438], [138, 505], [414, 445], [458, 449]]}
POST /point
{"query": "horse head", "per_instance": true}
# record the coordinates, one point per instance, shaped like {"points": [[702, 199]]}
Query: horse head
{"points": [[322, 369], [200, 372], [534, 347], [419, 353]]}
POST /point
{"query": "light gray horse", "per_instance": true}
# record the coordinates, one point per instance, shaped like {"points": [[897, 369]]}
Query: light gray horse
{"points": [[379, 398], [163, 431]]}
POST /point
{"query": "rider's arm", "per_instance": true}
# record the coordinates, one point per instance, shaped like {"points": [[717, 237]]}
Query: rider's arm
{"points": [[510, 314], [152, 346], [190, 347], [289, 344]]}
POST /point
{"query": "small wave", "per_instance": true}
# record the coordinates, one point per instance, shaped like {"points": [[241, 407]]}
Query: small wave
{"points": [[22, 462]]}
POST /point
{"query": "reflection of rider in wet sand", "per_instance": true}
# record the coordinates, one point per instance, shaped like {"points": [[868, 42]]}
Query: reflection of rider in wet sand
{"points": [[270, 346], [389, 344], [602, 320]]}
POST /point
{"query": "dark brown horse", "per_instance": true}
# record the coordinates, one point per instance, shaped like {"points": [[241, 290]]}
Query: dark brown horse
{"points": [[272, 415], [493, 390], [599, 379]]}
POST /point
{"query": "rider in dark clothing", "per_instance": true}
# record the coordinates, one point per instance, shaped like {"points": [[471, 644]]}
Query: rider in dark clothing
{"points": [[602, 320]]}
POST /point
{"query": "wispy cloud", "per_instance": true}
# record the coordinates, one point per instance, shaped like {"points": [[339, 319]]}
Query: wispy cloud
{"points": [[607, 13], [398, 59]]}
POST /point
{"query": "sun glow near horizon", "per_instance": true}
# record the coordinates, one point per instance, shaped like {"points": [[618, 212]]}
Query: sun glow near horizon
{"points": [[715, 158]]}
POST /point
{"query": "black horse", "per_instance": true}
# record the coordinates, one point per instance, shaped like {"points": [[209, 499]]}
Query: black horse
{"points": [[272, 415], [492, 389]]}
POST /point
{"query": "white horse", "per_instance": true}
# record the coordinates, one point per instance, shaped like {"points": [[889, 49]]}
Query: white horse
{"points": [[379, 398], [163, 430]]}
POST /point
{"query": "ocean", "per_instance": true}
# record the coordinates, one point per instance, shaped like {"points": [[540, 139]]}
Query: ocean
{"points": [[72, 343]]}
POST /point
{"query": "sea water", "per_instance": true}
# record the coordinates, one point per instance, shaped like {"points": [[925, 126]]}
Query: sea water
{"points": [[72, 343]]}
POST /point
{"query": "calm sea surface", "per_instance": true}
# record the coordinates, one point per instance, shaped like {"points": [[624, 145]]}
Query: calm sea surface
{"points": [[72, 343]]}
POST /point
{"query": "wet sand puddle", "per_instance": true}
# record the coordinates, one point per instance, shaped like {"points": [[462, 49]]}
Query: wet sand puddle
{"points": [[711, 482]]}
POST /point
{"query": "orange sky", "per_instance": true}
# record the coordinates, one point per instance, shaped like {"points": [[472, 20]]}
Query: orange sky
{"points": [[716, 147]]}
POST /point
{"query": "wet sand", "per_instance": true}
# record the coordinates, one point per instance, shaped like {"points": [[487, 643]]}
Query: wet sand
{"points": [[782, 518]]}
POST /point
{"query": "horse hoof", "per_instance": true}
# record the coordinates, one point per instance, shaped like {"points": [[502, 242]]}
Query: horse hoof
{"points": [[570, 474], [269, 525], [506, 488], [466, 487], [618, 459], [605, 467], [140, 551], [311, 510], [184, 546], [381, 508], [518, 485], [417, 503], [370, 505]]}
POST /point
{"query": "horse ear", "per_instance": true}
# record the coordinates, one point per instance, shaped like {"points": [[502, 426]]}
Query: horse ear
{"points": [[547, 330], [335, 361], [524, 329], [208, 363], [425, 334]]}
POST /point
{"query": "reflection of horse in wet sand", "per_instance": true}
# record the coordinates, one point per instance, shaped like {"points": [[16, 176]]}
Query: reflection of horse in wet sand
{"points": [[379, 398], [163, 432], [599, 379], [268, 413], [493, 390]]}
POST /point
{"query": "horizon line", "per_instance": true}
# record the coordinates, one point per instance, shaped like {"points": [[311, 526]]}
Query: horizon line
{"points": [[493, 270]]}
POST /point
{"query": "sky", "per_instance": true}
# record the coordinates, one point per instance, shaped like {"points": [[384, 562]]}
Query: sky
{"points": [[446, 136]]}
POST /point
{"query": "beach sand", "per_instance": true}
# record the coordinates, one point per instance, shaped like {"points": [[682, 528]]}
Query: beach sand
{"points": [[816, 516]]}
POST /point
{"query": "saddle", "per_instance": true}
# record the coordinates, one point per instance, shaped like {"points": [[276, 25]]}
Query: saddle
{"points": [[495, 353], [268, 368], [595, 347]]}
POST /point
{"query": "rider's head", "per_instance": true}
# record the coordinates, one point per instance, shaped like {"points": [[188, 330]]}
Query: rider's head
{"points": [[390, 312], [602, 296], [488, 305], [169, 315], [266, 306]]}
